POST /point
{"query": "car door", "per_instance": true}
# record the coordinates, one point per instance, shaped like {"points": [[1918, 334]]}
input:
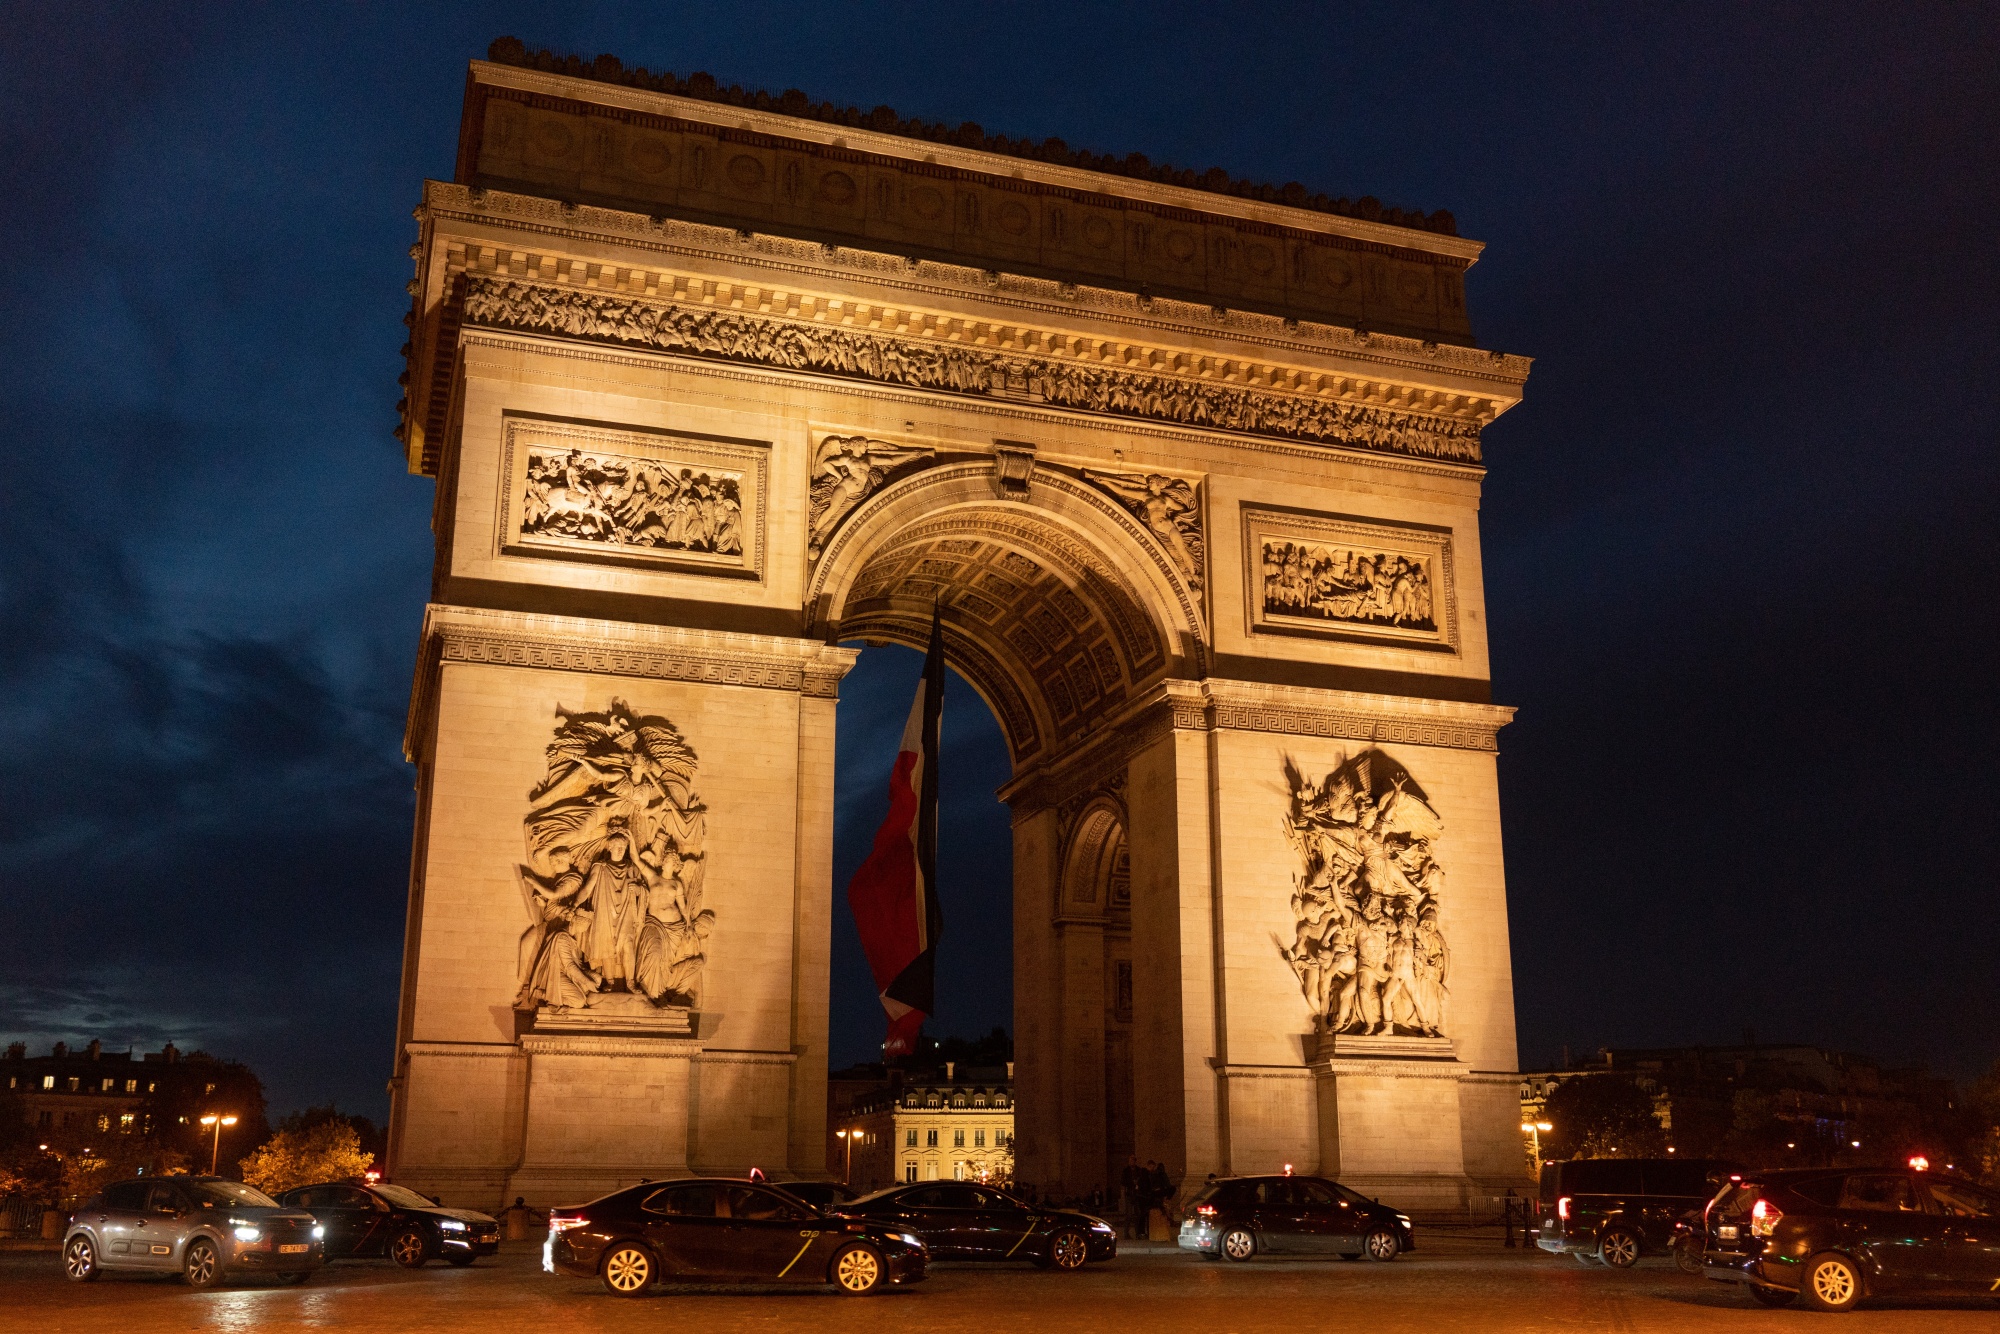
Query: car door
{"points": [[121, 1209], [1338, 1224], [1972, 1233], [998, 1225], [688, 1231], [923, 1210], [356, 1222], [1278, 1216], [769, 1235], [160, 1229], [1886, 1217]]}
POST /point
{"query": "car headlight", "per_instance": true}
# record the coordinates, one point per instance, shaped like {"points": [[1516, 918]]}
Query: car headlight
{"points": [[452, 1225], [1404, 1219], [248, 1233], [909, 1240], [1105, 1228], [319, 1233]]}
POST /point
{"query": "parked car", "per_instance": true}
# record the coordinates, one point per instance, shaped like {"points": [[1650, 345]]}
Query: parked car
{"points": [[1833, 1238], [205, 1229], [1240, 1217], [963, 1220], [714, 1230], [372, 1220], [820, 1194], [1615, 1210]]}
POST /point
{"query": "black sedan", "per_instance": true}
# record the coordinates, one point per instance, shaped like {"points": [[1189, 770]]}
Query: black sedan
{"points": [[960, 1220], [822, 1195], [1240, 1217], [1832, 1238], [714, 1230], [375, 1220]]}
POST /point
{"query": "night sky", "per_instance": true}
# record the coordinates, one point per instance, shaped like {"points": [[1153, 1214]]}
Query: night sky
{"points": [[1739, 537]]}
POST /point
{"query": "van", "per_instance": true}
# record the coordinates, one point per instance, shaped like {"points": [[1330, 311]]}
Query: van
{"points": [[1614, 1210]]}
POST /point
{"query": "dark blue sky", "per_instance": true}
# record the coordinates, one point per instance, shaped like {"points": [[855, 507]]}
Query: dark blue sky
{"points": [[1739, 538]]}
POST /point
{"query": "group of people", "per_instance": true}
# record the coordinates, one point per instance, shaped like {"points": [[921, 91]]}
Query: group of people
{"points": [[631, 502], [1142, 1188], [1343, 584]]}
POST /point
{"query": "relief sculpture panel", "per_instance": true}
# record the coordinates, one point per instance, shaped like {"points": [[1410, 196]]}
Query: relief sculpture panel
{"points": [[633, 497], [1167, 506], [1368, 950], [614, 875], [1342, 578], [846, 470]]}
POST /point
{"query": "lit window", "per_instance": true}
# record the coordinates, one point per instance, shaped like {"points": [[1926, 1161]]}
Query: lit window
{"points": [[125, 1125], [209, 1089], [959, 1101], [979, 1101], [108, 1082], [978, 1139], [13, 1081], [104, 1123], [958, 1139], [930, 1138], [75, 1084], [151, 1087], [958, 1171], [48, 1081], [131, 1086], [932, 1101]]}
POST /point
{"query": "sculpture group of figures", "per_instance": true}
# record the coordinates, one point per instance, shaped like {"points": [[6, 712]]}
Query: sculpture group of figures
{"points": [[735, 336], [631, 502], [846, 470], [1368, 952], [613, 882], [1166, 505], [1340, 583]]}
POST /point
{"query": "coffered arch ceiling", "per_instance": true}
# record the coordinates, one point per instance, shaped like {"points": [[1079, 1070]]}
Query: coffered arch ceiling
{"points": [[1052, 612]]}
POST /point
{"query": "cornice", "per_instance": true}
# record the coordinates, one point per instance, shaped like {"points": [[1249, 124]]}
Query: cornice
{"points": [[1394, 719], [1002, 166], [448, 201], [544, 642]]}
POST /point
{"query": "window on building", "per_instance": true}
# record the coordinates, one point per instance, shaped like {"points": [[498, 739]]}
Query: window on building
{"points": [[910, 1101], [126, 1124], [152, 1087], [958, 1139], [48, 1081], [958, 1170], [131, 1086], [999, 1100], [104, 1122], [933, 1101], [909, 1171], [13, 1081], [978, 1139], [930, 1138], [43, 1121], [209, 1088], [75, 1084], [910, 1138], [979, 1101], [959, 1101]]}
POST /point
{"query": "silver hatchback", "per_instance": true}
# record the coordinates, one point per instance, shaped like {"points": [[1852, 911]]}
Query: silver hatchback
{"points": [[204, 1229]]}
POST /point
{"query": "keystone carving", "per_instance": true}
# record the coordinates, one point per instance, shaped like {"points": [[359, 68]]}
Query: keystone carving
{"points": [[846, 470], [800, 345], [613, 881], [1166, 505], [1368, 952]]}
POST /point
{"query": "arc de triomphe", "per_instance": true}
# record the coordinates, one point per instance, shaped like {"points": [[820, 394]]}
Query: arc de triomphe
{"points": [[712, 385]]}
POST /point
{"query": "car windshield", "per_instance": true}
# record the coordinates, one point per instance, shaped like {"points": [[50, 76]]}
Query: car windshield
{"points": [[403, 1197], [873, 1196], [227, 1194]]}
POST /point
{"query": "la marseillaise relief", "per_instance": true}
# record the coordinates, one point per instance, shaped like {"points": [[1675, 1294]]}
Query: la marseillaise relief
{"points": [[613, 881], [1368, 950]]}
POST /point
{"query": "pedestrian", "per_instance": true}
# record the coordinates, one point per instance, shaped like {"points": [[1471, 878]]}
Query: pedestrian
{"points": [[1161, 1190], [1131, 1185]]}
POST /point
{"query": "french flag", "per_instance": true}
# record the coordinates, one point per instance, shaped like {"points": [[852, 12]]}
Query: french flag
{"points": [[894, 893]]}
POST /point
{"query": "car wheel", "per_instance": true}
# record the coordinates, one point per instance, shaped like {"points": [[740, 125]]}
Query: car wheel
{"points": [[1687, 1257], [1068, 1250], [1771, 1296], [460, 1259], [858, 1270], [1239, 1243], [80, 1260], [202, 1267], [1832, 1283], [627, 1269], [409, 1249], [1381, 1244], [1618, 1248]]}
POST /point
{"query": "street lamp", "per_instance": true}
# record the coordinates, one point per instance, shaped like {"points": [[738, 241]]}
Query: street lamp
{"points": [[215, 1150], [847, 1173], [1534, 1129]]}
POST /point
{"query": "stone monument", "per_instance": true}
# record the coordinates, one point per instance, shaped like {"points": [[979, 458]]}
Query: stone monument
{"points": [[716, 386]]}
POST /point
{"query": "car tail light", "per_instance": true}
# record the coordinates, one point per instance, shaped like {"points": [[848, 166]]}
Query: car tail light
{"points": [[564, 1222], [1205, 1210], [1764, 1217], [1562, 1208]]}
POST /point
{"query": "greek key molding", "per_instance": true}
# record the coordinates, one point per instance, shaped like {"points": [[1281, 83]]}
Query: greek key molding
{"points": [[1293, 721], [950, 368]]}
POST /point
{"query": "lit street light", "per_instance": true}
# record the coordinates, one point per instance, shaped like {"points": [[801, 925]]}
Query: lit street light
{"points": [[1534, 1130], [215, 1150], [848, 1137]]}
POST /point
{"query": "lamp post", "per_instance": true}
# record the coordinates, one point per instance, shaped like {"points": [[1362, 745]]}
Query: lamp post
{"points": [[847, 1172], [215, 1150], [1534, 1129]]}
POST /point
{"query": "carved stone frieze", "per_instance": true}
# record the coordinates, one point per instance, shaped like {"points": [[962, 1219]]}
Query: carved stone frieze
{"points": [[846, 470], [810, 346], [1329, 575], [1368, 951], [1167, 506], [613, 882]]}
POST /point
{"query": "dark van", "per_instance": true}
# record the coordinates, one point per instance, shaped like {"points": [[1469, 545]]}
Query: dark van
{"points": [[1614, 1210]]}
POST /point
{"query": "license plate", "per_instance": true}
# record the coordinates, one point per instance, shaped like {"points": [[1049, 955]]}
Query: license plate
{"points": [[1727, 1232], [295, 1248]]}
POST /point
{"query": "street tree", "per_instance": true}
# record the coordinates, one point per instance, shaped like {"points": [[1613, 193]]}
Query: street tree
{"points": [[1601, 1116]]}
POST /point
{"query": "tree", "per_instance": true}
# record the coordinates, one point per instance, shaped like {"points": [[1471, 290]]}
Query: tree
{"points": [[1601, 1116], [327, 1150]]}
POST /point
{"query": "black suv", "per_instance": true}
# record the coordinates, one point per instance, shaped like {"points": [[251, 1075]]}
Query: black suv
{"points": [[962, 1220], [394, 1221], [1834, 1237], [1614, 1210], [1242, 1216]]}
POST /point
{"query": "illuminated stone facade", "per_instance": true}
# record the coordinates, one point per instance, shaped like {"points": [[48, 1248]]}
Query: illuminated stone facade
{"points": [[713, 394], [950, 1129]]}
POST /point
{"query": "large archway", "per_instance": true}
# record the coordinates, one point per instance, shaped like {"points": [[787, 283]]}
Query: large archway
{"points": [[1062, 614]]}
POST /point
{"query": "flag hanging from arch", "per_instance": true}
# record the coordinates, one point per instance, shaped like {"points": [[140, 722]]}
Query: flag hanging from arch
{"points": [[893, 894]]}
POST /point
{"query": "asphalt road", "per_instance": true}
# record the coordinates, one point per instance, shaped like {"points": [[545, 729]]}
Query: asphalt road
{"points": [[1452, 1286]]}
